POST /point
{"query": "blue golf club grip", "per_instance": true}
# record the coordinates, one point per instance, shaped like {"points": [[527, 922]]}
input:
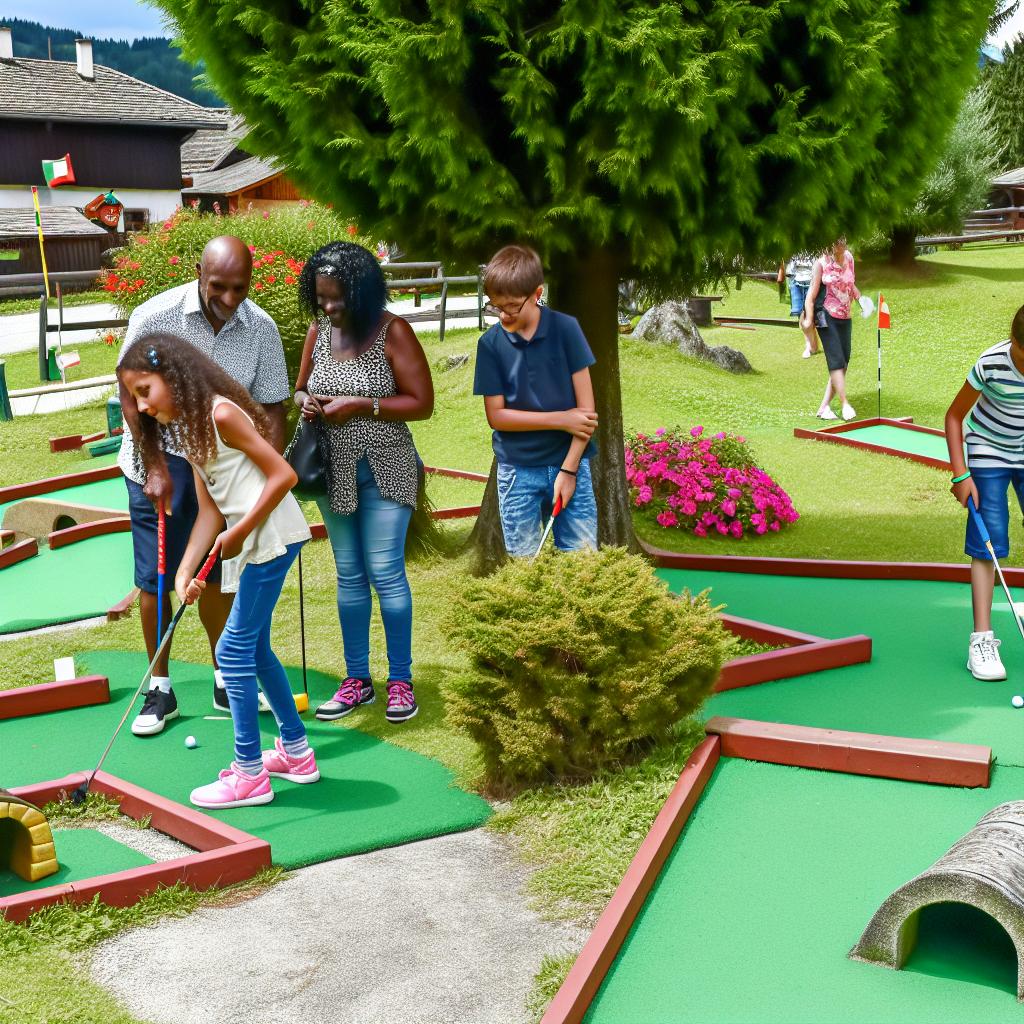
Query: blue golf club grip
{"points": [[979, 522]]}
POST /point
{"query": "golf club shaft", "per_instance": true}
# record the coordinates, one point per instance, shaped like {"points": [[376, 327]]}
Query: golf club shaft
{"points": [[547, 529], [986, 539], [302, 626], [203, 573]]}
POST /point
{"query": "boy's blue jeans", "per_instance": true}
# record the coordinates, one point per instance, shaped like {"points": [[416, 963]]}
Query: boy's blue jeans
{"points": [[524, 503], [993, 485], [369, 548], [244, 654]]}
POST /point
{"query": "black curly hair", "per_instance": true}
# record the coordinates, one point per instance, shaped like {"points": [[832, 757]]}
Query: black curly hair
{"points": [[194, 381], [360, 277]]}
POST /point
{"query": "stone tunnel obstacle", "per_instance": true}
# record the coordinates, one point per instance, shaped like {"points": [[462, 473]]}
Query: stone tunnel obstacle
{"points": [[26, 842], [984, 869], [39, 517]]}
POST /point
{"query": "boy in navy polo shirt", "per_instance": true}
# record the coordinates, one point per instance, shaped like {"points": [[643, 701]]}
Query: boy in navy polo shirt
{"points": [[532, 367]]}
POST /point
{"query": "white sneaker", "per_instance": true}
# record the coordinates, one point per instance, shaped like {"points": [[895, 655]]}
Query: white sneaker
{"points": [[849, 413], [983, 657], [827, 414]]}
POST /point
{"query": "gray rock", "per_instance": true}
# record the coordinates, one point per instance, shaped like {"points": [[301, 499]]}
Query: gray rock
{"points": [[669, 323], [452, 362], [983, 869]]}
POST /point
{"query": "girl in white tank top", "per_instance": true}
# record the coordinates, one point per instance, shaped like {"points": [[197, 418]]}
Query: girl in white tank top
{"points": [[246, 509]]}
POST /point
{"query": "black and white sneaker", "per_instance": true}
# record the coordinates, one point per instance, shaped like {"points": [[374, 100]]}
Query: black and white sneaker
{"points": [[158, 708], [220, 699], [401, 703], [346, 699]]}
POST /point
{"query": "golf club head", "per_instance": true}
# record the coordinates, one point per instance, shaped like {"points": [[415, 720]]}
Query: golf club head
{"points": [[79, 793]]}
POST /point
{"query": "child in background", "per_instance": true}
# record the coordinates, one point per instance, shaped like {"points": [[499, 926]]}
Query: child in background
{"points": [[242, 481], [533, 370], [992, 401]]}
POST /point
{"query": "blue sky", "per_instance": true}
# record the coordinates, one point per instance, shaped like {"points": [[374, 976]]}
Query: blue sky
{"points": [[106, 19], [128, 19]]}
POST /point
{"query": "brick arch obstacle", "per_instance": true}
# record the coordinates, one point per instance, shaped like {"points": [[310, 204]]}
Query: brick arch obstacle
{"points": [[984, 869], [37, 518], [26, 842]]}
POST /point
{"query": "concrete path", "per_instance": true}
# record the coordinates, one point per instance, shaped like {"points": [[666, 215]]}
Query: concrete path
{"points": [[19, 332], [436, 932]]}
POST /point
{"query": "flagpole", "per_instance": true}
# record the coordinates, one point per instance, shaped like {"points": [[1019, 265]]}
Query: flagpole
{"points": [[878, 331], [39, 229]]}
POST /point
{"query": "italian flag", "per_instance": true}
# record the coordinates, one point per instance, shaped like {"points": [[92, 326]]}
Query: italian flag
{"points": [[883, 313], [59, 172]]}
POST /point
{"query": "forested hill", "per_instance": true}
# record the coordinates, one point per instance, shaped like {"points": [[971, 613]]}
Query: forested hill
{"points": [[152, 60]]}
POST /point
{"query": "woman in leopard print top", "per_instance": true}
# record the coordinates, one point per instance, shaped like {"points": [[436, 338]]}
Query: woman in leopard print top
{"points": [[363, 376]]}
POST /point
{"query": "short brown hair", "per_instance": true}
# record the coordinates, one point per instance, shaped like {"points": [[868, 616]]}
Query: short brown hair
{"points": [[514, 272]]}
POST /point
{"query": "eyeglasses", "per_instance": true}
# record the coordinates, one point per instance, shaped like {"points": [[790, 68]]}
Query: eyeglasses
{"points": [[492, 310]]}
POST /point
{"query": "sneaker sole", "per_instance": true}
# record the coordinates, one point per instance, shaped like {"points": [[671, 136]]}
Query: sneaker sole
{"points": [[986, 679], [250, 801], [300, 779], [223, 709], [152, 730], [404, 718]]}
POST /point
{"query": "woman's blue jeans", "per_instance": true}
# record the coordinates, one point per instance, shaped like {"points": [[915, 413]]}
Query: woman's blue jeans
{"points": [[369, 549], [244, 655]]}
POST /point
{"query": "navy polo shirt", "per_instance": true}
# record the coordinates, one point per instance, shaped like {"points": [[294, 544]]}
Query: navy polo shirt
{"points": [[533, 376]]}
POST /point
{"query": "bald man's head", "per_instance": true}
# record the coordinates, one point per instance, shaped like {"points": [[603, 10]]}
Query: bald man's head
{"points": [[225, 273]]}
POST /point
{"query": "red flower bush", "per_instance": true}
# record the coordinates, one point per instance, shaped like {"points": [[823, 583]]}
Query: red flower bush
{"points": [[706, 485]]}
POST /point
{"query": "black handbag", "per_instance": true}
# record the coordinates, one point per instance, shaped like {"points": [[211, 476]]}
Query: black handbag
{"points": [[306, 456]]}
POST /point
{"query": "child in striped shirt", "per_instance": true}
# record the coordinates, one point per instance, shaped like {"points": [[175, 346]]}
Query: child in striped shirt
{"points": [[992, 402]]}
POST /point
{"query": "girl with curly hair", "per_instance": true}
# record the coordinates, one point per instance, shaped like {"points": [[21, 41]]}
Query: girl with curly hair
{"points": [[363, 376], [243, 484]]}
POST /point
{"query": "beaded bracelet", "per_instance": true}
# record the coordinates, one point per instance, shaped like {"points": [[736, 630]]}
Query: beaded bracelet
{"points": [[961, 479]]}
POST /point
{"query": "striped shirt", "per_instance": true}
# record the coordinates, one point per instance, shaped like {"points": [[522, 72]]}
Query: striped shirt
{"points": [[995, 426], [248, 347]]}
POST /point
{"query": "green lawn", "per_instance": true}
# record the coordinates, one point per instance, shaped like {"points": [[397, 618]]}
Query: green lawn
{"points": [[98, 358], [31, 305], [852, 505]]}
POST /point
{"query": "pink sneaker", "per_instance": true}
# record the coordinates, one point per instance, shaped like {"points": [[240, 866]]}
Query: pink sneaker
{"points": [[281, 765], [234, 788]]}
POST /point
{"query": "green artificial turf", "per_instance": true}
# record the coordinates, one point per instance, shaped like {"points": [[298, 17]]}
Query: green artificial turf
{"points": [[78, 581], [81, 853], [100, 493], [916, 683], [911, 441], [371, 793], [775, 877]]}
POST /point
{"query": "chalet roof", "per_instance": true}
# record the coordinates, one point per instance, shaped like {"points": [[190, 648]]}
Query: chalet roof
{"points": [[53, 90], [58, 221], [1014, 177], [208, 148], [229, 180]]}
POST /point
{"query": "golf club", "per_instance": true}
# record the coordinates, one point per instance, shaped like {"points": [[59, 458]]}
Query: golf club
{"points": [[161, 566], [987, 541], [78, 795], [547, 529]]}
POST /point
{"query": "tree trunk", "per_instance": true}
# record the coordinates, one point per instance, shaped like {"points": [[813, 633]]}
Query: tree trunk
{"points": [[586, 288], [901, 248]]}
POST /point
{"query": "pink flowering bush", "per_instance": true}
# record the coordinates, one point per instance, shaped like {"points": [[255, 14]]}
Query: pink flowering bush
{"points": [[709, 486]]}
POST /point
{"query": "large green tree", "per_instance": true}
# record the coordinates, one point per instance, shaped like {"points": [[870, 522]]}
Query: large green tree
{"points": [[1006, 84], [624, 138]]}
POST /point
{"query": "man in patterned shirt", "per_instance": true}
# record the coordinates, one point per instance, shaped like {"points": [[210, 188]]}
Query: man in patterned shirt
{"points": [[215, 314]]}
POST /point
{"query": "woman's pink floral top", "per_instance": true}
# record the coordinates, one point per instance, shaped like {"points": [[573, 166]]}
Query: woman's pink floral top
{"points": [[840, 282]]}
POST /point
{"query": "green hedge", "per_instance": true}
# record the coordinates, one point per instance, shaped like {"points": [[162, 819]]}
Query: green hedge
{"points": [[576, 662]]}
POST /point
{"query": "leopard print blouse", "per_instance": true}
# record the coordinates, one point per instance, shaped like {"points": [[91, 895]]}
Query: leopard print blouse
{"points": [[387, 444]]}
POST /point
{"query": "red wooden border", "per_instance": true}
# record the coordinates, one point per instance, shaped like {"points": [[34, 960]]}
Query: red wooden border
{"points": [[940, 572], [227, 854], [856, 753], [835, 434], [584, 979], [462, 512], [123, 607], [69, 442], [5, 537], [459, 474], [14, 553], [82, 531], [56, 483], [69, 693], [797, 661]]}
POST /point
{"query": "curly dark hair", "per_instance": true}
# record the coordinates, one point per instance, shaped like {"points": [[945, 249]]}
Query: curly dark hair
{"points": [[361, 279], [194, 381]]}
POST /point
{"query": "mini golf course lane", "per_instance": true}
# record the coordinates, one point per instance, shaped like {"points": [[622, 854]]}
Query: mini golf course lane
{"points": [[101, 493], [916, 683], [771, 884], [914, 442], [371, 794], [74, 582], [81, 853]]}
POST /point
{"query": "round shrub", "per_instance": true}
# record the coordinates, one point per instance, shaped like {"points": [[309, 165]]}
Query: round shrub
{"points": [[705, 485], [575, 661]]}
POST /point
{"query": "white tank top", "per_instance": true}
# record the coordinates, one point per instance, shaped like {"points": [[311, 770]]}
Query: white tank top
{"points": [[235, 483]]}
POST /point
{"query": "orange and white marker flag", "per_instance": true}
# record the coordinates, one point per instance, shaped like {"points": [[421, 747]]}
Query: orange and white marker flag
{"points": [[883, 313]]}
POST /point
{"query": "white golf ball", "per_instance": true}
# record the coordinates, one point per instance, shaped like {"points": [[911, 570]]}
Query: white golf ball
{"points": [[190, 741], [1017, 701]]}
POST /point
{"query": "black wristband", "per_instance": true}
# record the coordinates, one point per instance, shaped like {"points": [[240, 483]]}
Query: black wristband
{"points": [[562, 469]]}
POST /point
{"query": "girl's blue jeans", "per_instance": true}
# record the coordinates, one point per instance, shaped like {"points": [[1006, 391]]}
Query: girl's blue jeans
{"points": [[244, 655], [369, 549]]}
